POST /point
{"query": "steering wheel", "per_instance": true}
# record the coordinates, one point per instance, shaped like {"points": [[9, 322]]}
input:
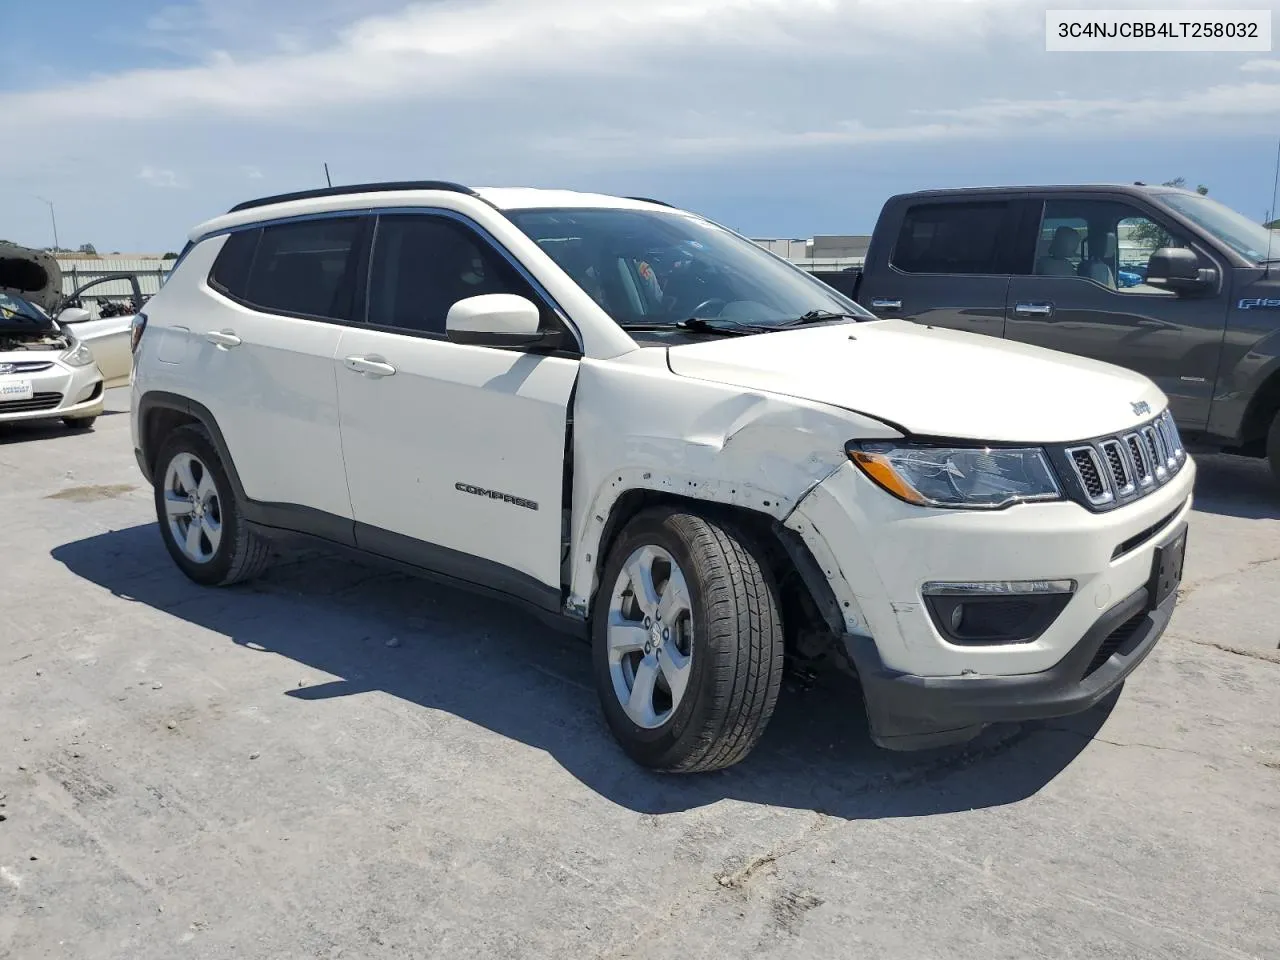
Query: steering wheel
{"points": [[707, 305]]}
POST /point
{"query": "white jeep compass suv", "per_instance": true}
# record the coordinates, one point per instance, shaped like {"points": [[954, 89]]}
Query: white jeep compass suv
{"points": [[657, 434]]}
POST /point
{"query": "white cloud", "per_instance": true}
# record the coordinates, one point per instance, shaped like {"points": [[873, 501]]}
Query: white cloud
{"points": [[158, 177], [565, 92], [435, 48]]}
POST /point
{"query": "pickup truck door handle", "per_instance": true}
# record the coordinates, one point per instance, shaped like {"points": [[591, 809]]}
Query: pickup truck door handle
{"points": [[374, 367], [1033, 309], [222, 339], [880, 304]]}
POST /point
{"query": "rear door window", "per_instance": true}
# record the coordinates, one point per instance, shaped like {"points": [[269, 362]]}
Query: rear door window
{"points": [[955, 238], [302, 269]]}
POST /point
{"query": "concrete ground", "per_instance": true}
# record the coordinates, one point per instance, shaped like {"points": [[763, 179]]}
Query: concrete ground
{"points": [[339, 762]]}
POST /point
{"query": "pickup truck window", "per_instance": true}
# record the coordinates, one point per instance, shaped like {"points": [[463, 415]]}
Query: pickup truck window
{"points": [[656, 270], [1104, 241], [961, 238], [1237, 231]]}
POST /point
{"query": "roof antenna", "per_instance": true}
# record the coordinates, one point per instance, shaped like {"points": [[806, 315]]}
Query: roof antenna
{"points": [[326, 174], [1270, 229]]}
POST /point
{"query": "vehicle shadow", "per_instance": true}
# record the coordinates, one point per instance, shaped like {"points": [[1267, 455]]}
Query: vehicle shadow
{"points": [[19, 431], [1236, 487], [494, 666]]}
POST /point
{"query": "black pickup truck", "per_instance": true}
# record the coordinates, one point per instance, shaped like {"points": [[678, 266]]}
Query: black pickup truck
{"points": [[1164, 281]]}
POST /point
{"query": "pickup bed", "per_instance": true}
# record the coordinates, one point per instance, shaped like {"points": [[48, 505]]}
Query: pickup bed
{"points": [[1163, 281]]}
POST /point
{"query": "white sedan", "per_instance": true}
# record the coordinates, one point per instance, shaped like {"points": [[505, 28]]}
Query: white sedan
{"points": [[35, 277], [106, 336]]}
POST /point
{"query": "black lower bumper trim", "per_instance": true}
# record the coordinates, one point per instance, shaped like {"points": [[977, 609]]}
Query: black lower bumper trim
{"points": [[907, 712]]}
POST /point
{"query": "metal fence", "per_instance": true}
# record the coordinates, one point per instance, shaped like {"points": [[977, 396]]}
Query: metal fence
{"points": [[76, 272]]}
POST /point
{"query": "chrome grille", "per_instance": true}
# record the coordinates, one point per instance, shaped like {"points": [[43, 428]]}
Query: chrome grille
{"points": [[1088, 467], [29, 366], [1118, 469], [1140, 457], [1122, 472]]}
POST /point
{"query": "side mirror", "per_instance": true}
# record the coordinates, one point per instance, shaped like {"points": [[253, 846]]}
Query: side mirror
{"points": [[73, 315], [1179, 269], [498, 320]]}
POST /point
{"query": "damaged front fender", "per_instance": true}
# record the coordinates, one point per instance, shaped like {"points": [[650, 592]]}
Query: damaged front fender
{"points": [[706, 441]]}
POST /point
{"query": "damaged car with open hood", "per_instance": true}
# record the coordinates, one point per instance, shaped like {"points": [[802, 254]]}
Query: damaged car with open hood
{"points": [[47, 372]]}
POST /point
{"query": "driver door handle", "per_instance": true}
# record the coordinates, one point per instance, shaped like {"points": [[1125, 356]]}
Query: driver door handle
{"points": [[369, 366], [880, 304], [1033, 309], [223, 339]]}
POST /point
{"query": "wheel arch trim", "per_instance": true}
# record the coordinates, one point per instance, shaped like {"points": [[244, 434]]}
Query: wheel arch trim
{"points": [[153, 401], [625, 501]]}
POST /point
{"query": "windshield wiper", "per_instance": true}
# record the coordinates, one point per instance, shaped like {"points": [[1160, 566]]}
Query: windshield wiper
{"points": [[700, 325], [713, 325], [819, 316]]}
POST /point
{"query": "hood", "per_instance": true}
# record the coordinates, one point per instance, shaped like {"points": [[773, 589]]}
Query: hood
{"points": [[31, 274], [930, 381]]}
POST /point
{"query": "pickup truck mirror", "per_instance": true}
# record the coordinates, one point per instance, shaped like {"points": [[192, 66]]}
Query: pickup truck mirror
{"points": [[1179, 269], [497, 320], [73, 315]]}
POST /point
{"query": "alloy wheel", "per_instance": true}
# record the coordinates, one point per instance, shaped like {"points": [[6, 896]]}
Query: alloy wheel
{"points": [[193, 508], [650, 636]]}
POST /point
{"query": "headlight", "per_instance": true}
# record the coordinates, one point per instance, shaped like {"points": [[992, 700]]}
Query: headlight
{"points": [[974, 477], [79, 355]]}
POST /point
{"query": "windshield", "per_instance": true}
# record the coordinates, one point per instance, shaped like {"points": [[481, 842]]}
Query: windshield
{"points": [[651, 269], [11, 307], [1237, 231]]}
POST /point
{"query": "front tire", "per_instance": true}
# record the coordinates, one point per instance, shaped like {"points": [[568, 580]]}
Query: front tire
{"points": [[1273, 447], [199, 516], [687, 642]]}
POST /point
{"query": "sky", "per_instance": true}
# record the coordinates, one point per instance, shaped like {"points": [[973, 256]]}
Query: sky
{"points": [[139, 119]]}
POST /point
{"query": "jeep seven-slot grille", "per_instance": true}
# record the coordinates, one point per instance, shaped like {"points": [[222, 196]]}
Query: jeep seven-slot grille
{"points": [[1122, 468], [1089, 470]]}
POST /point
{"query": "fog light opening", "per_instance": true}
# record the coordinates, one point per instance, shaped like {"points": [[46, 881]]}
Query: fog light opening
{"points": [[996, 612]]}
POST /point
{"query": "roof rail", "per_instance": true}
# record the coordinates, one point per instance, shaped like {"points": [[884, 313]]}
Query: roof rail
{"points": [[355, 188], [661, 203]]}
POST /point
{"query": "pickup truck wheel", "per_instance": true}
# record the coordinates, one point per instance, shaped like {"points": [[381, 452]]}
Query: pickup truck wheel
{"points": [[687, 643], [199, 517], [1273, 446]]}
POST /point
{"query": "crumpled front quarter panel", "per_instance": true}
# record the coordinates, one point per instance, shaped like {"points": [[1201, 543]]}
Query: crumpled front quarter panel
{"points": [[637, 426]]}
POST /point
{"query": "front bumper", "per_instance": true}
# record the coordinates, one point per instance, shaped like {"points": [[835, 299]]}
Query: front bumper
{"points": [[878, 553], [907, 712], [59, 390]]}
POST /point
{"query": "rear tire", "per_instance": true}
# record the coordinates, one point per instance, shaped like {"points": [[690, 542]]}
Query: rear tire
{"points": [[1273, 447], [700, 637], [80, 423], [199, 515]]}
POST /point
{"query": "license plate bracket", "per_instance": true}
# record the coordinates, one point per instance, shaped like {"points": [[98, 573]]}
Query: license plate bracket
{"points": [[1166, 568], [15, 389]]}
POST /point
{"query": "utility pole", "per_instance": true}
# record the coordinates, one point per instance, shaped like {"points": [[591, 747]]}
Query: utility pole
{"points": [[54, 219]]}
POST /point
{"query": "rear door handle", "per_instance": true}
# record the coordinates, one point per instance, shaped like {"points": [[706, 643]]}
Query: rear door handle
{"points": [[1033, 309], [223, 339], [878, 304], [369, 366]]}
